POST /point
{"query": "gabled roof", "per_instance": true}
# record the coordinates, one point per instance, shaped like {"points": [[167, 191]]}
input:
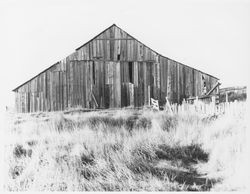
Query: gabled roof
{"points": [[99, 35]]}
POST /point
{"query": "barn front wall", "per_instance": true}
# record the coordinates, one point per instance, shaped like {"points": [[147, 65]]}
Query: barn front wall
{"points": [[112, 70]]}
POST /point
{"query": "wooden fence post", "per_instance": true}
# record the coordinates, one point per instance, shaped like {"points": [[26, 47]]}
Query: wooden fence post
{"points": [[226, 97], [149, 95], [213, 104]]}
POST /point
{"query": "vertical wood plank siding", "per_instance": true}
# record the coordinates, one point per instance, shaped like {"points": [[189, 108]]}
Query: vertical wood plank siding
{"points": [[99, 72]]}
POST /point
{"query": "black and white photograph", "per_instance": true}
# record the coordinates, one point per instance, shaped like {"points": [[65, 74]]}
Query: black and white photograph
{"points": [[125, 95]]}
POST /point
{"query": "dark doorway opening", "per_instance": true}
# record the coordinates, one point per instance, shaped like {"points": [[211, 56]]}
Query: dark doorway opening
{"points": [[130, 67], [93, 72]]}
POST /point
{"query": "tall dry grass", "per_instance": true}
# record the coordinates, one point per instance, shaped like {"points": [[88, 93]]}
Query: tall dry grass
{"points": [[125, 150]]}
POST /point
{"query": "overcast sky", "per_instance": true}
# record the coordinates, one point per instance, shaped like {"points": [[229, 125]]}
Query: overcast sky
{"points": [[213, 36]]}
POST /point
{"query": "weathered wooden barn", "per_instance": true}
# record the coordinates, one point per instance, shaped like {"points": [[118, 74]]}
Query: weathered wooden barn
{"points": [[112, 70]]}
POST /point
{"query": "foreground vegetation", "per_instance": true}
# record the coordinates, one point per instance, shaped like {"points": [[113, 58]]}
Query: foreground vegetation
{"points": [[125, 150]]}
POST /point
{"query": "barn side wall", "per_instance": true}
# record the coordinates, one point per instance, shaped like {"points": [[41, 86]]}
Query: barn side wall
{"points": [[112, 70]]}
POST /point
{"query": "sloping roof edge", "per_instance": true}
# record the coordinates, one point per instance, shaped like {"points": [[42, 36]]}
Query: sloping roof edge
{"points": [[167, 57], [59, 61]]}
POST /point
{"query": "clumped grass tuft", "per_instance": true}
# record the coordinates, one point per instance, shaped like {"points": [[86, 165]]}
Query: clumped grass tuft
{"points": [[87, 159], [188, 154], [60, 123], [130, 123], [16, 171], [169, 122], [32, 142], [19, 152], [95, 122]]}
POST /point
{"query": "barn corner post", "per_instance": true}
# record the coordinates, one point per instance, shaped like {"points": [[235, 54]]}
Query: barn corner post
{"points": [[111, 70], [16, 101]]}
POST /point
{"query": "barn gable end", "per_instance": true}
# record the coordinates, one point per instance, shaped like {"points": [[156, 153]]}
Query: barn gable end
{"points": [[112, 70]]}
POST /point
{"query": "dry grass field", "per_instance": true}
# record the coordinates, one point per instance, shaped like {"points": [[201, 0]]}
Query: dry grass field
{"points": [[126, 150]]}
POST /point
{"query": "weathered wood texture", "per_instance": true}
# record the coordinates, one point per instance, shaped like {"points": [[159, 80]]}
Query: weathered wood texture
{"points": [[112, 70]]}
